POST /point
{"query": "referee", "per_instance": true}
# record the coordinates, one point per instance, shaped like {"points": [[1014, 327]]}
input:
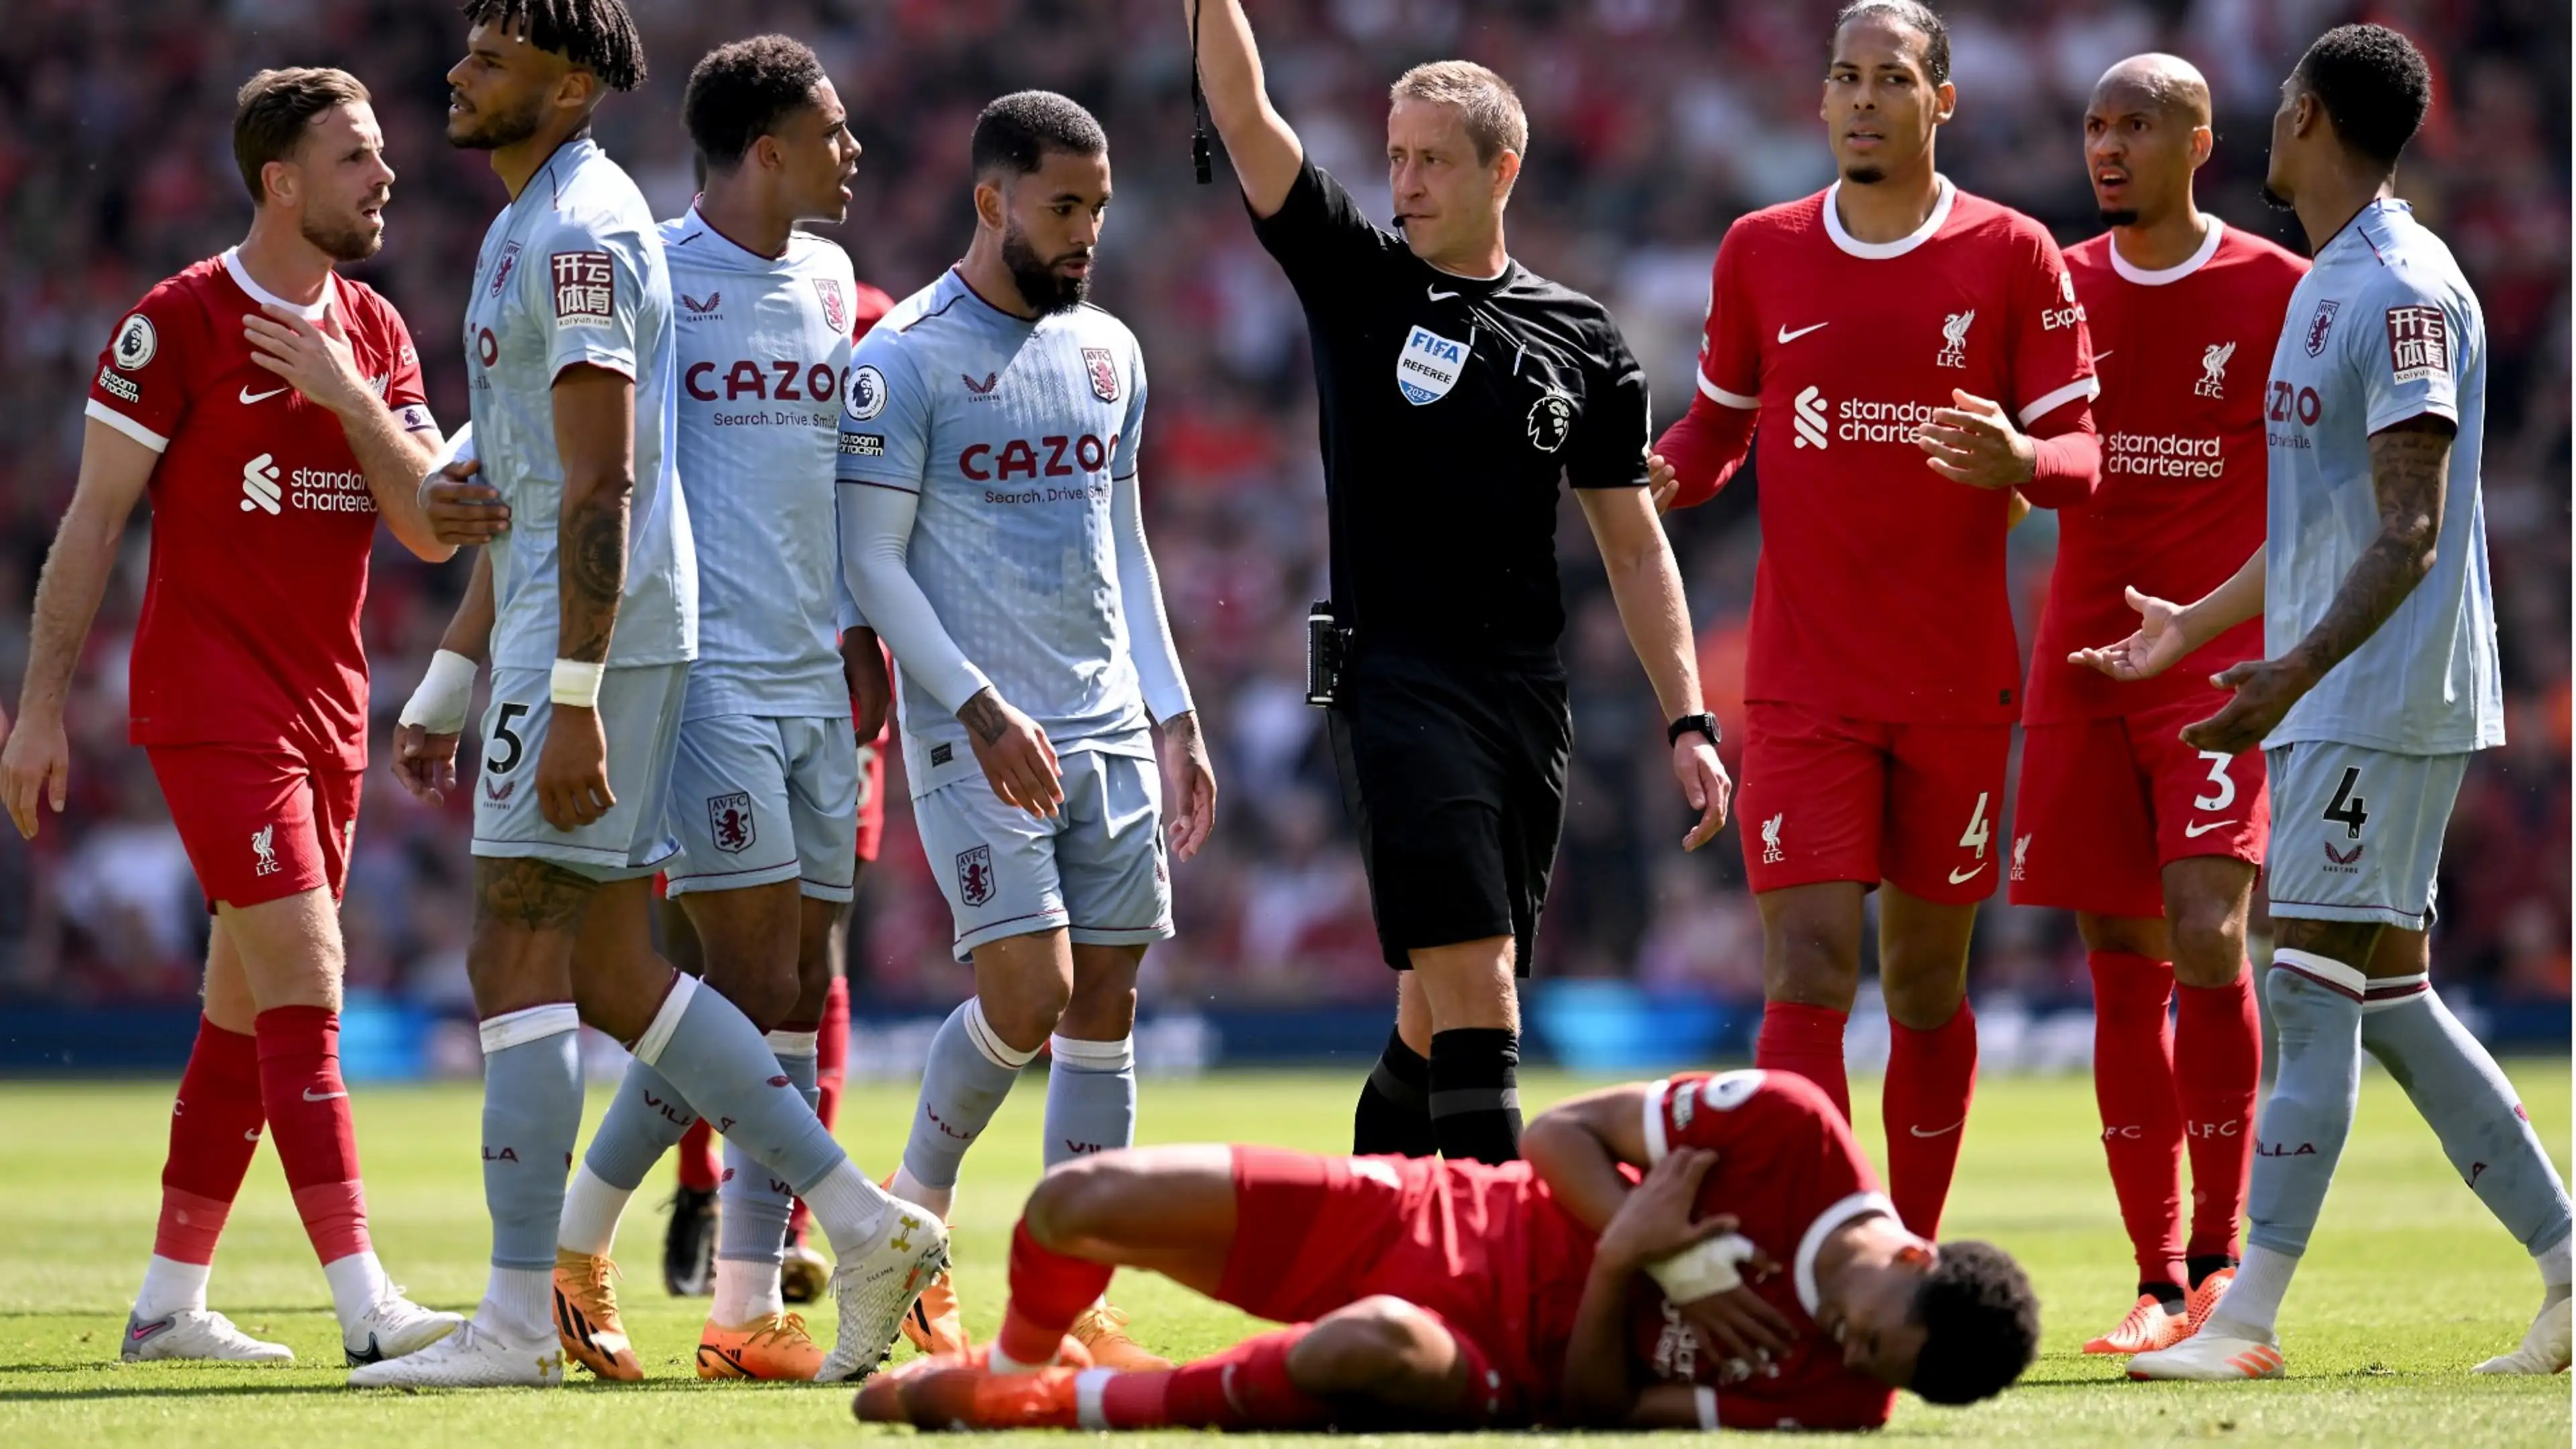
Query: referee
{"points": [[1457, 388]]}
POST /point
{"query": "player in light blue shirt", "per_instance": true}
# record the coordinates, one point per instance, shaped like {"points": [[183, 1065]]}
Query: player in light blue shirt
{"points": [[2382, 681], [993, 533], [571, 358]]}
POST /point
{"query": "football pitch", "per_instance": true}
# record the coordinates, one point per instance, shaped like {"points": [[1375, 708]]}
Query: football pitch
{"points": [[2408, 1283]]}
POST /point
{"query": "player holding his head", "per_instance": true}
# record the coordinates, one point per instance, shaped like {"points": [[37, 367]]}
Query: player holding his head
{"points": [[1447, 1294], [2381, 681], [273, 409], [993, 531], [575, 372], [1913, 355], [2152, 843]]}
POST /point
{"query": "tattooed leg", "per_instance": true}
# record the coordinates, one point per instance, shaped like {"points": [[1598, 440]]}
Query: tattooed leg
{"points": [[527, 914]]}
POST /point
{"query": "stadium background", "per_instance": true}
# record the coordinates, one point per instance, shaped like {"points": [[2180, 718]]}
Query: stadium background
{"points": [[1653, 122]]}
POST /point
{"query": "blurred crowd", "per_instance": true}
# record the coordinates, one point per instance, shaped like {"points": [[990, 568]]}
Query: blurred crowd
{"points": [[1653, 122]]}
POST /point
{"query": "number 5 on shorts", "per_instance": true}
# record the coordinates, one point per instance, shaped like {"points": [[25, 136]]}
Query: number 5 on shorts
{"points": [[502, 732]]}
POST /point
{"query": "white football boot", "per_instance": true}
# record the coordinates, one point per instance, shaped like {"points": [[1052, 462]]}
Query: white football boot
{"points": [[2223, 1350], [472, 1357], [395, 1326], [876, 1285], [2544, 1349], [200, 1334]]}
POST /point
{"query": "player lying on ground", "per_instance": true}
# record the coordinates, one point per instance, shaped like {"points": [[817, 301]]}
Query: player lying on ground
{"points": [[1441, 1293]]}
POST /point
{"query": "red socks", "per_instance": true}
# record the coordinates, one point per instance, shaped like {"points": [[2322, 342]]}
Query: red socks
{"points": [[1807, 1040], [308, 1110], [2133, 1084], [699, 1170], [214, 1129], [1931, 1075], [2218, 1062], [1244, 1387], [1048, 1292], [831, 1069]]}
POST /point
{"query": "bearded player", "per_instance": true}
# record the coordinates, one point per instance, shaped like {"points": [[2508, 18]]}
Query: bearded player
{"points": [[2379, 682], [1913, 355], [1433, 1293], [273, 409], [573, 365], [2152, 843]]}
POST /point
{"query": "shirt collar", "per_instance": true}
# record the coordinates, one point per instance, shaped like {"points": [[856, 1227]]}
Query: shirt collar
{"points": [[733, 252], [1943, 195], [1858, 1205], [241, 278], [2166, 276]]}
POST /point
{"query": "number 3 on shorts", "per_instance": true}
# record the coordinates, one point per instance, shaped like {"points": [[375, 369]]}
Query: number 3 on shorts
{"points": [[2223, 789], [1978, 831]]}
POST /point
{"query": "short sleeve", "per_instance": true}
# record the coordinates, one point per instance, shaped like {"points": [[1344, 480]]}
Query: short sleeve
{"points": [[2406, 351], [584, 294], [1131, 429], [1319, 235], [144, 381], [885, 417], [1730, 346], [405, 391], [1618, 421], [2052, 351], [1732, 1112]]}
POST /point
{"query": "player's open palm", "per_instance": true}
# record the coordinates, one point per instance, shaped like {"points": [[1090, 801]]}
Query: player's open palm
{"points": [[424, 763], [1705, 784], [36, 763], [316, 359], [1019, 763], [1189, 784], [572, 769], [463, 512], [2158, 645]]}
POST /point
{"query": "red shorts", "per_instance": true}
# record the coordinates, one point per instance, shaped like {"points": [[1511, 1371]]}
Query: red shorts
{"points": [[871, 797], [1457, 1240], [259, 822], [2106, 804], [1829, 798]]}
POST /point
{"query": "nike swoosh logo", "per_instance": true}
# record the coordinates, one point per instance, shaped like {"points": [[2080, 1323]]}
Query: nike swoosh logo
{"points": [[1788, 336], [251, 397], [313, 1096], [1959, 878], [251, 1136], [2199, 828], [1944, 1132], [1440, 296], [2098, 356]]}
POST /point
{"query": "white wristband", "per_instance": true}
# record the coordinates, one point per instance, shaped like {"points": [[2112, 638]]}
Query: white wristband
{"points": [[576, 683], [1703, 1270], [444, 695], [1705, 1399]]}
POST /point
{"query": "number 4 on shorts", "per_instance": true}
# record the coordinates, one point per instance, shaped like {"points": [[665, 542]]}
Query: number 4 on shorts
{"points": [[2346, 807], [1978, 831]]}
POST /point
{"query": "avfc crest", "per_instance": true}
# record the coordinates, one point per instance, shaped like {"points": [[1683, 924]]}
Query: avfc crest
{"points": [[1551, 420], [975, 875], [1102, 369], [501, 272], [836, 309], [2320, 324], [730, 824]]}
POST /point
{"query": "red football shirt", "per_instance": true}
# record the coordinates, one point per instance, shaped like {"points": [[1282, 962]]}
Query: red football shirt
{"points": [[1881, 591], [1788, 1169], [261, 519], [2182, 354]]}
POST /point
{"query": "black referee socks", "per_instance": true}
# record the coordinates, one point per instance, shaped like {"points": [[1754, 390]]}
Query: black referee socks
{"points": [[1475, 1093], [1394, 1116]]}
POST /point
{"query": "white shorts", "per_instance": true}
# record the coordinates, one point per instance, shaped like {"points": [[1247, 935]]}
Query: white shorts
{"points": [[756, 800], [1096, 868], [639, 712], [2357, 832]]}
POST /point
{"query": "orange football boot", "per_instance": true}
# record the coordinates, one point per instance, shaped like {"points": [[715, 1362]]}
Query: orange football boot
{"points": [[774, 1346], [2148, 1327], [586, 1316]]}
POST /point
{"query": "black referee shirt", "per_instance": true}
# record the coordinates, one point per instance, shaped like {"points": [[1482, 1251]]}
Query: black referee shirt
{"points": [[1451, 406]]}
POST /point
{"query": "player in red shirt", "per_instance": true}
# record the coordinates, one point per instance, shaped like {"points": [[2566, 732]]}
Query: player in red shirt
{"points": [[1444, 1293], [2153, 844], [273, 409], [1913, 355]]}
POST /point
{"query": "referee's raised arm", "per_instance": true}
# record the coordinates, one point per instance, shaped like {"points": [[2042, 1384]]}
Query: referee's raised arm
{"points": [[1266, 154]]}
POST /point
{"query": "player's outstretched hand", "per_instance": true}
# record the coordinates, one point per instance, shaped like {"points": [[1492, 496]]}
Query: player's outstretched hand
{"points": [[424, 763], [572, 769], [462, 512], [1705, 785], [2265, 690], [863, 668], [316, 359], [1661, 482], [1018, 761], [1975, 443], [2159, 644], [35, 763], [1189, 784]]}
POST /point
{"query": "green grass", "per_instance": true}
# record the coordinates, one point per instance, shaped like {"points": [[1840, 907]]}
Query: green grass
{"points": [[2408, 1283]]}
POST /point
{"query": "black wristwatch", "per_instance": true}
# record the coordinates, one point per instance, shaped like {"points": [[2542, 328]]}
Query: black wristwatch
{"points": [[1703, 724]]}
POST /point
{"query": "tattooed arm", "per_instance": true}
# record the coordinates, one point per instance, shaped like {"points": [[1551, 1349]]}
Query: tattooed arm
{"points": [[2410, 466], [595, 436]]}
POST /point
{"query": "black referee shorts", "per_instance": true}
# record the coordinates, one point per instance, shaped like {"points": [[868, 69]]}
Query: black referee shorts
{"points": [[1455, 775]]}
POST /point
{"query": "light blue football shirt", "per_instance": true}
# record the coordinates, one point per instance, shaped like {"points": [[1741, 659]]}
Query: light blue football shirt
{"points": [[1010, 431], [2382, 329]]}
